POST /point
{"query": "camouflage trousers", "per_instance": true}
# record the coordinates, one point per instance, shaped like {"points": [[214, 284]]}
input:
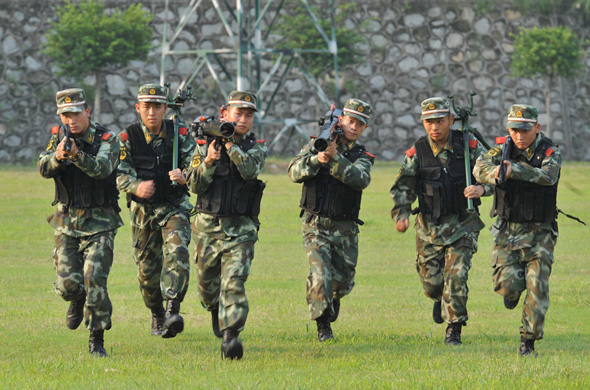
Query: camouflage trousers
{"points": [[443, 271], [223, 266], [82, 265], [332, 265], [526, 269], [162, 259]]}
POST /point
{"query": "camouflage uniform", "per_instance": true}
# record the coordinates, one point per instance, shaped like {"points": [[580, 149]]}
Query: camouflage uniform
{"points": [[224, 245], [84, 237], [331, 244], [522, 255], [160, 231], [444, 247]]}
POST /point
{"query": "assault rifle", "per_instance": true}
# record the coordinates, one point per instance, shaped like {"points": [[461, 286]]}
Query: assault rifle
{"points": [[175, 104], [209, 127], [329, 129], [68, 135], [505, 156]]}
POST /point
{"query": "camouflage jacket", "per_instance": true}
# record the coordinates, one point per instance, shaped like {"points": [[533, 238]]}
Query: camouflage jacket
{"points": [[403, 192], [200, 177], [519, 235], [357, 175], [143, 215], [78, 222]]}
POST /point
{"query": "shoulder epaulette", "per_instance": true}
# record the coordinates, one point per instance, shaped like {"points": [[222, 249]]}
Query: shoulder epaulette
{"points": [[313, 136], [183, 130], [501, 140], [473, 143], [55, 130], [201, 142], [549, 152], [261, 141], [369, 154], [106, 136], [124, 136], [410, 152]]}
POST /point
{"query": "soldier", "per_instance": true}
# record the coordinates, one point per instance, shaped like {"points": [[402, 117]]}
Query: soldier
{"points": [[446, 231], [333, 181], [159, 210], [82, 160], [525, 231], [224, 176]]}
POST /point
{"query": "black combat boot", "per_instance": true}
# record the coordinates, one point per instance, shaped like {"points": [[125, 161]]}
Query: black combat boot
{"points": [[510, 304], [324, 328], [158, 317], [453, 334], [215, 322], [437, 312], [174, 323], [75, 313], [231, 347], [96, 344], [527, 347], [336, 306]]}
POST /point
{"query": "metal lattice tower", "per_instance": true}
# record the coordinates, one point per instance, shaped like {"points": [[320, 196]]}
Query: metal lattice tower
{"points": [[250, 45]]}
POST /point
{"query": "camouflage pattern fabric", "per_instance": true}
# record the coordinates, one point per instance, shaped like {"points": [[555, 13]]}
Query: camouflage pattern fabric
{"points": [[160, 233], [331, 245], [82, 265], [84, 237], [224, 246], [523, 252]]}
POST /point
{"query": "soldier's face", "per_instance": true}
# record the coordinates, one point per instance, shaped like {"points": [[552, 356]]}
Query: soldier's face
{"points": [[352, 128], [242, 117], [78, 121], [152, 115], [524, 138], [439, 128]]}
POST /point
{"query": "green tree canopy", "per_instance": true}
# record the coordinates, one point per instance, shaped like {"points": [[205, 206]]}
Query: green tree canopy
{"points": [[87, 40]]}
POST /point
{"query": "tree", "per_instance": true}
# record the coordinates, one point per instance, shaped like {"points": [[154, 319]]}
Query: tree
{"points": [[86, 40], [547, 52]]}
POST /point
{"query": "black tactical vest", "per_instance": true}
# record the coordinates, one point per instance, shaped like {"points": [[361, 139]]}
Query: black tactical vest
{"points": [[229, 194], [327, 196], [521, 201], [440, 189], [74, 188], [154, 163]]}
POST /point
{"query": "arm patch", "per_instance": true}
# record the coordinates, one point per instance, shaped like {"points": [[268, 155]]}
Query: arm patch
{"points": [[501, 140], [106, 136], [201, 142], [55, 130], [124, 136], [369, 154], [549, 152], [411, 152], [472, 143], [260, 141], [183, 130]]}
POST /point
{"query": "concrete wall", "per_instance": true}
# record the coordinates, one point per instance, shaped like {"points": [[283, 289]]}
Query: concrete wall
{"points": [[413, 51]]}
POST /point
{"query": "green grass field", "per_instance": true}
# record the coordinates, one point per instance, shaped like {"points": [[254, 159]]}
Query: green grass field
{"points": [[384, 338]]}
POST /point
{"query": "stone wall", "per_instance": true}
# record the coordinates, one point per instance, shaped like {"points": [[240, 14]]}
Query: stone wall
{"points": [[413, 50]]}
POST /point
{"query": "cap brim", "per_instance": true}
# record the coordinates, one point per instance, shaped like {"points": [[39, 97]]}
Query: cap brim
{"points": [[360, 118], [238, 105], [70, 109], [148, 100], [434, 116], [520, 125]]}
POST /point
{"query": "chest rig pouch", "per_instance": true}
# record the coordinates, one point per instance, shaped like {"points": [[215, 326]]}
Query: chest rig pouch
{"points": [[154, 163], [440, 188], [229, 194], [521, 201], [328, 197], [74, 188]]}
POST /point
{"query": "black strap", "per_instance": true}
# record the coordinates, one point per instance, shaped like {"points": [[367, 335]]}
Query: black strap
{"points": [[572, 217]]}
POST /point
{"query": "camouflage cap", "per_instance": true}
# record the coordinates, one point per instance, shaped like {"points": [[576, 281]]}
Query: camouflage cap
{"points": [[152, 93], [522, 116], [242, 99], [434, 108], [358, 109], [70, 100]]}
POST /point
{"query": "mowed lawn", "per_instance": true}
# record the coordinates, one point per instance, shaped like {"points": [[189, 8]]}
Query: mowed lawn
{"points": [[384, 338]]}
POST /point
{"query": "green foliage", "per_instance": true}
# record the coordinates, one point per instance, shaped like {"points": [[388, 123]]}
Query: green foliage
{"points": [[550, 52], [86, 39], [298, 31], [543, 7]]}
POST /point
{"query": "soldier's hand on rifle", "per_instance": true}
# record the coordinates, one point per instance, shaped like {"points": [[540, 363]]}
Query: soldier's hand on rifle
{"points": [[325, 156], [60, 152], [402, 225], [474, 191], [212, 154], [146, 189], [508, 170], [178, 176]]}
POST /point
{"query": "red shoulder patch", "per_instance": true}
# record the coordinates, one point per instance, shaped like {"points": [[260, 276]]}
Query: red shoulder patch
{"points": [[183, 130], [55, 130], [549, 152], [106, 136], [124, 136], [473, 143], [313, 136], [260, 141], [201, 142], [501, 140], [410, 152], [369, 154]]}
